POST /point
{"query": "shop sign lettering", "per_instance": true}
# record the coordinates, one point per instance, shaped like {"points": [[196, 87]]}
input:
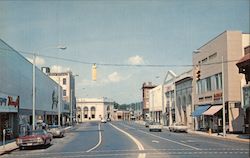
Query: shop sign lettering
{"points": [[8, 102]]}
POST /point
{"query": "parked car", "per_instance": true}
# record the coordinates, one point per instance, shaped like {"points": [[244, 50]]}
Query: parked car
{"points": [[155, 126], [147, 123], [109, 119], [178, 127], [103, 120], [56, 130], [34, 138]]}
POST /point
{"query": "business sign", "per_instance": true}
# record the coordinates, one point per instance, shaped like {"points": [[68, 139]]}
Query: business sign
{"points": [[9, 103]]}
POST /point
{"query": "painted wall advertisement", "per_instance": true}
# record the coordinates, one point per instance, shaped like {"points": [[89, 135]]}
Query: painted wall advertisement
{"points": [[9, 103]]}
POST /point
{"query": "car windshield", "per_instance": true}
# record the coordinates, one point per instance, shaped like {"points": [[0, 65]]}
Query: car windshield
{"points": [[54, 126], [156, 123], [37, 132]]}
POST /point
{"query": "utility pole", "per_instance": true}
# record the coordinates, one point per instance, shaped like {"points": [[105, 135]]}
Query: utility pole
{"points": [[223, 98]]}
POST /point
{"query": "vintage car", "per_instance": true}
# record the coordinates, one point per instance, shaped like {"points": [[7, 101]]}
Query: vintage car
{"points": [[56, 130], [155, 126], [103, 120], [147, 123], [34, 138], [178, 127]]}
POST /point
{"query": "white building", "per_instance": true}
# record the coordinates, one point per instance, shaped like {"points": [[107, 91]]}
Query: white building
{"points": [[169, 93], [183, 88], [16, 105], [155, 103], [67, 81], [94, 109]]}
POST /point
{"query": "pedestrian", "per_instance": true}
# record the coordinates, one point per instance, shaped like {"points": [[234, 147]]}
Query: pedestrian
{"points": [[43, 125]]}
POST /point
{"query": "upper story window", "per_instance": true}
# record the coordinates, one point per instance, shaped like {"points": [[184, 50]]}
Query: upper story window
{"points": [[64, 92], [213, 56], [204, 60], [64, 81], [209, 86]]}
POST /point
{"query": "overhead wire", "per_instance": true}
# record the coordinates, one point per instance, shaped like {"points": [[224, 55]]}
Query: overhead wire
{"points": [[119, 65]]}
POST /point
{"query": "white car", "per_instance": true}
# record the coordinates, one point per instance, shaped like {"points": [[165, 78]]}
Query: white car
{"points": [[103, 120], [178, 127], [155, 126]]}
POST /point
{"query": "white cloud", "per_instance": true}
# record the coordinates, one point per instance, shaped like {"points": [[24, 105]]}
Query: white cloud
{"points": [[114, 77], [39, 61], [59, 68], [135, 60], [111, 78]]}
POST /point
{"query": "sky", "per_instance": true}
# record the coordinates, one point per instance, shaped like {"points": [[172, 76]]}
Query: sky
{"points": [[118, 32]]}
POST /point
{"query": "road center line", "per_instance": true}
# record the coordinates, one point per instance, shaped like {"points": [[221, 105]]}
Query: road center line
{"points": [[137, 142], [170, 140], [100, 139]]}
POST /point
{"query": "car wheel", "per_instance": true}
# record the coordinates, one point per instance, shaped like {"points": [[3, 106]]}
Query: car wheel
{"points": [[159, 130], [150, 130], [21, 148]]}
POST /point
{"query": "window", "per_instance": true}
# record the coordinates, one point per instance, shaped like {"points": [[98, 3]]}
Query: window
{"points": [[92, 112], [209, 87], [213, 56], [204, 60], [64, 81], [198, 88], [203, 86], [64, 92], [85, 112], [218, 81]]}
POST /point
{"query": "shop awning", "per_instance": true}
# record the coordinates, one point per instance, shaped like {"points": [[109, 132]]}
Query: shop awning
{"points": [[212, 110], [244, 61], [199, 110]]}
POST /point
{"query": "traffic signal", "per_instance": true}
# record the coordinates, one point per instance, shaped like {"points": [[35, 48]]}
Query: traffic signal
{"points": [[94, 72], [198, 73]]}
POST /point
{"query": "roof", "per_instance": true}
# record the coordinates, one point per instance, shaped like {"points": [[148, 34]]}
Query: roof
{"points": [[244, 61]]}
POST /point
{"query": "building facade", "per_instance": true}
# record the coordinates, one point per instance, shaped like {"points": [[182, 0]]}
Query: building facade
{"points": [[94, 109], [244, 68], [67, 81], [16, 102], [155, 103], [169, 96], [216, 59], [183, 87], [146, 86]]}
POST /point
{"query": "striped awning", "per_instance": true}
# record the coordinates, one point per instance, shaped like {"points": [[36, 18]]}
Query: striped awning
{"points": [[199, 110], [213, 110]]}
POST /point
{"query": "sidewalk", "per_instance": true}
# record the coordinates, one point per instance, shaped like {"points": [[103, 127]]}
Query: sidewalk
{"points": [[11, 145], [234, 137]]}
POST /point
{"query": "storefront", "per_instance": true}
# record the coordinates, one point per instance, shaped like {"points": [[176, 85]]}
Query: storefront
{"points": [[244, 68], [8, 115]]}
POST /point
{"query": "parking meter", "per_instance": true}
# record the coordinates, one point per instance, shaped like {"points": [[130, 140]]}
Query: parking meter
{"points": [[4, 132]]}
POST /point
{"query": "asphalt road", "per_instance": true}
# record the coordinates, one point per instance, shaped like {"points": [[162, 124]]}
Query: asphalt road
{"points": [[127, 139]]}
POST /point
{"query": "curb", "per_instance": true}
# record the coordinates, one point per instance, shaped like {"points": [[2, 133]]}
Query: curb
{"points": [[8, 151], [221, 138], [8, 148]]}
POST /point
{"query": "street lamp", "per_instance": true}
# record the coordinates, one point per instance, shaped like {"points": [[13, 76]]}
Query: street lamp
{"points": [[34, 85]]}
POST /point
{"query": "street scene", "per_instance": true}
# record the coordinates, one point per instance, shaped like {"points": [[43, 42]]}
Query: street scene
{"points": [[125, 78], [83, 141]]}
